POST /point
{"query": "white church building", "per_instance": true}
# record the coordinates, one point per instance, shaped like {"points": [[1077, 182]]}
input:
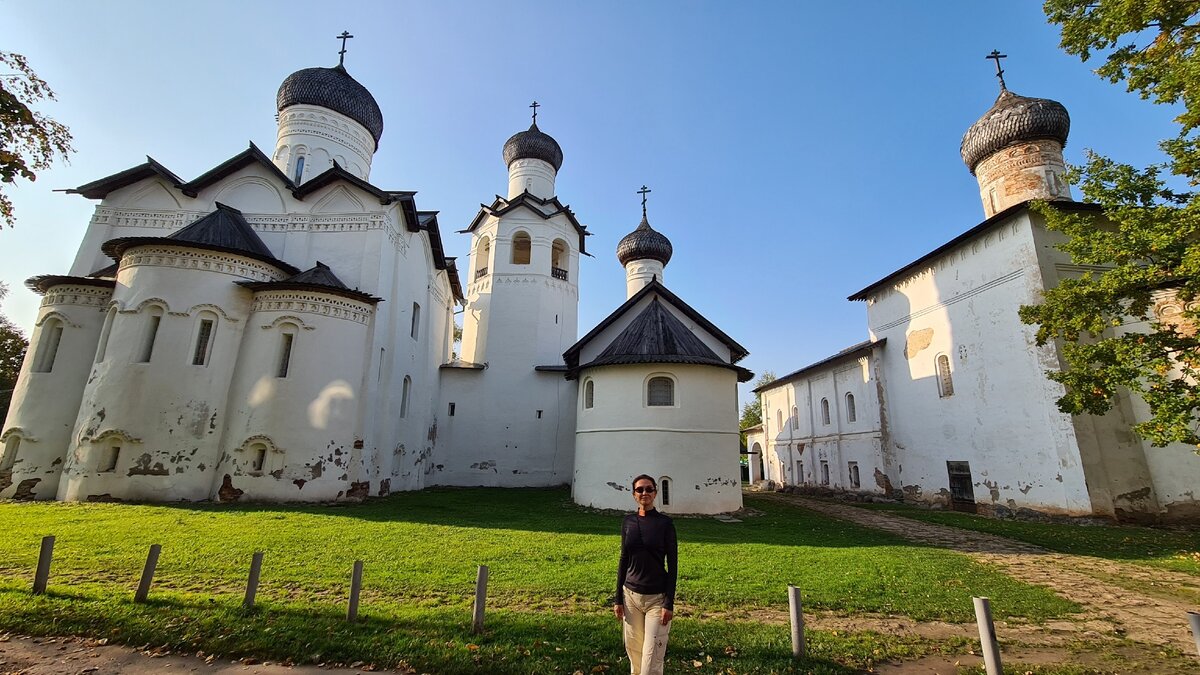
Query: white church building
{"points": [[947, 402], [281, 329]]}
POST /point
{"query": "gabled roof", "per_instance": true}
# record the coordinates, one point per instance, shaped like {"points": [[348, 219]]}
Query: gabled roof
{"points": [[99, 189], [847, 353], [337, 173], [225, 230], [978, 229], [249, 156], [318, 278], [656, 336], [544, 208], [44, 282]]}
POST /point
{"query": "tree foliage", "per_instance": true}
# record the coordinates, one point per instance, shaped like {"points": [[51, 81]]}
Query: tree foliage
{"points": [[29, 140], [1144, 245], [12, 352], [752, 411]]}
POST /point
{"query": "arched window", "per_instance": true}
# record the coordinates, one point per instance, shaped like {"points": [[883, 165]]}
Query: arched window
{"points": [[109, 455], [416, 321], [558, 259], [404, 396], [851, 413], [779, 419], [824, 472], [795, 417], [522, 246], [945, 382], [11, 447], [48, 341], [299, 169], [589, 394], [205, 332], [104, 333], [483, 253], [824, 411], [258, 458], [149, 333], [660, 391], [854, 481], [664, 490], [287, 344]]}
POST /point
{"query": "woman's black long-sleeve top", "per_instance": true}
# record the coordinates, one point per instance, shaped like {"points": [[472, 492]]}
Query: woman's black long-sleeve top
{"points": [[649, 556]]}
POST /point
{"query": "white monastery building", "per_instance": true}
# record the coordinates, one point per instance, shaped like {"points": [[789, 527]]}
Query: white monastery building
{"points": [[281, 329], [947, 402]]}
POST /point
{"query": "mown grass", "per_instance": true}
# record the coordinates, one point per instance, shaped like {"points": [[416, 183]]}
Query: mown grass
{"points": [[1177, 550], [552, 568]]}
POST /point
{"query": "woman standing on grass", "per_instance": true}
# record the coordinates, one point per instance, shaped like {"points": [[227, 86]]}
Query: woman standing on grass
{"points": [[645, 599]]}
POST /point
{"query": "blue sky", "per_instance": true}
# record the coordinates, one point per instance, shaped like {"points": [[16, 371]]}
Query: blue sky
{"points": [[796, 151]]}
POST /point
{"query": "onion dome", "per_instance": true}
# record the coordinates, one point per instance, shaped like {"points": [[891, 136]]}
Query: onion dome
{"points": [[332, 88], [644, 243], [533, 144], [1014, 119]]}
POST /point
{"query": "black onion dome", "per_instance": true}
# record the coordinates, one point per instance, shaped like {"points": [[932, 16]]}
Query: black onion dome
{"points": [[533, 144], [332, 88], [644, 243], [1013, 119]]}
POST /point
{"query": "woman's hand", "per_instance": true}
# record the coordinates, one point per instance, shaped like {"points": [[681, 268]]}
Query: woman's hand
{"points": [[666, 616], [619, 611]]}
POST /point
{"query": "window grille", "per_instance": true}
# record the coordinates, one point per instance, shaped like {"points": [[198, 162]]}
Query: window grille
{"points": [[660, 392]]}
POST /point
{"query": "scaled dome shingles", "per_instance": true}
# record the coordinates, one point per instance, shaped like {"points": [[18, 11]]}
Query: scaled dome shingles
{"points": [[1014, 119], [644, 243], [332, 88], [533, 143]]}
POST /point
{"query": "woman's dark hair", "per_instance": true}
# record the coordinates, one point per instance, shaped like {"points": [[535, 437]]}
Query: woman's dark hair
{"points": [[645, 477]]}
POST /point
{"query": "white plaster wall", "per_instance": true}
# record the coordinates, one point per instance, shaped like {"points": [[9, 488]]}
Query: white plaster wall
{"points": [[1022, 172], [322, 135], [639, 273], [1001, 418], [532, 175], [44, 404], [694, 443]]}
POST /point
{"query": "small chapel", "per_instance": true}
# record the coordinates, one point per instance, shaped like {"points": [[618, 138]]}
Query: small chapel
{"points": [[947, 402], [280, 328]]}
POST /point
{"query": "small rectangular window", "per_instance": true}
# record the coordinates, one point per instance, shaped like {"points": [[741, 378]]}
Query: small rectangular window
{"points": [[854, 482], [824, 472], [148, 339], [11, 447], [108, 459], [945, 379], [285, 355], [203, 336], [48, 347], [539, 414], [450, 412], [416, 321], [260, 459], [404, 396], [660, 392]]}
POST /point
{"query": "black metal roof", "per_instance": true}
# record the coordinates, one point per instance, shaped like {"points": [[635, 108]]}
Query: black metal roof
{"points": [[1013, 119], [332, 88], [225, 230], [853, 351], [44, 282], [99, 189], [736, 351], [533, 143], [247, 157], [544, 208], [644, 243], [318, 278]]}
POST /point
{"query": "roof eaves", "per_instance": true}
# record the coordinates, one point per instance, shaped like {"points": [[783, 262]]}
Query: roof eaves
{"points": [[853, 350], [99, 189], [251, 155]]}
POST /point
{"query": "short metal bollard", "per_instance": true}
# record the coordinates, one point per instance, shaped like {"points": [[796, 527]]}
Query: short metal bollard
{"points": [[42, 576], [143, 588], [252, 582], [799, 646], [355, 588], [481, 581], [987, 636]]}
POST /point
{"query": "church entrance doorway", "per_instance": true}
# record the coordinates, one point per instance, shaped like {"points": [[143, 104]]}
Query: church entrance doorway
{"points": [[962, 492]]}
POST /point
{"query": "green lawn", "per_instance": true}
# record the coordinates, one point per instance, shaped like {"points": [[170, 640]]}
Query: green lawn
{"points": [[552, 568], [1177, 550]]}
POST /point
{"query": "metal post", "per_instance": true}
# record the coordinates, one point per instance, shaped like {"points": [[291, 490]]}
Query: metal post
{"points": [[797, 616], [1194, 619], [43, 567], [355, 587], [987, 636], [252, 582], [480, 598], [143, 588]]}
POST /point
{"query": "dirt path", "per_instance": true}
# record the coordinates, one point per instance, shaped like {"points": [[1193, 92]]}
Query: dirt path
{"points": [[1143, 613]]}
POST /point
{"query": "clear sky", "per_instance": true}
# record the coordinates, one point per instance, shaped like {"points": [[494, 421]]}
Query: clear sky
{"points": [[796, 151]]}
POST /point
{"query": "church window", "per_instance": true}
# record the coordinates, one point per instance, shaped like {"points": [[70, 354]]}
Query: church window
{"points": [[558, 259], [795, 417], [299, 169], [851, 412], [150, 334], [104, 333], [664, 490], [824, 472], [522, 247], [824, 411], [48, 342], [404, 396], [483, 253], [992, 198], [660, 391], [854, 481], [11, 447], [108, 458], [416, 321], [450, 411], [779, 419], [204, 334], [286, 343], [539, 414], [589, 394], [945, 381], [258, 458]]}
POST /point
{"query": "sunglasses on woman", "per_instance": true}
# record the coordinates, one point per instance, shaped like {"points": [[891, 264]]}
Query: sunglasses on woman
{"points": [[645, 490]]}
